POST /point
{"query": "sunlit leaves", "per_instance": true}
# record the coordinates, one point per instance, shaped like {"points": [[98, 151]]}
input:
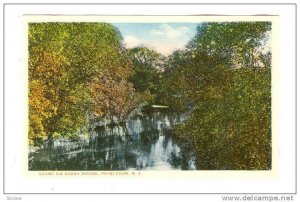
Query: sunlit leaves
{"points": [[230, 43], [224, 79], [64, 58]]}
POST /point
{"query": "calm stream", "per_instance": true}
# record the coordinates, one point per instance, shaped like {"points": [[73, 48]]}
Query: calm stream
{"points": [[143, 144]]}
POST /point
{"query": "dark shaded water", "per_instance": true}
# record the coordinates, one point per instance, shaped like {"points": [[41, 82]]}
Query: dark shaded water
{"points": [[143, 144]]}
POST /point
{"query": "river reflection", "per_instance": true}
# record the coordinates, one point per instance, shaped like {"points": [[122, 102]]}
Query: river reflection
{"points": [[143, 144]]}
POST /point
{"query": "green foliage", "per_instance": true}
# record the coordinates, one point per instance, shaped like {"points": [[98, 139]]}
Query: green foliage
{"points": [[230, 43], [147, 67], [230, 126], [223, 79], [64, 59]]}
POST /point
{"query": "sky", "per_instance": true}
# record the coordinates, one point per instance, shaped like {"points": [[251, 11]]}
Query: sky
{"points": [[162, 37]]}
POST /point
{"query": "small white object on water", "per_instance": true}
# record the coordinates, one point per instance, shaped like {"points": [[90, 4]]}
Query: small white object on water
{"points": [[159, 106]]}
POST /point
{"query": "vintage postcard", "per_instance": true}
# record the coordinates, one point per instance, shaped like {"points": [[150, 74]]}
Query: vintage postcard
{"points": [[104, 98], [146, 93]]}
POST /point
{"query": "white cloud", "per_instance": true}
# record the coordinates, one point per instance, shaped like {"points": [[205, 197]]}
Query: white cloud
{"points": [[164, 47], [170, 32], [131, 41], [184, 29], [156, 32], [165, 39], [161, 46]]}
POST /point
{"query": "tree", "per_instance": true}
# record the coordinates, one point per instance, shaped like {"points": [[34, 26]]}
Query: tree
{"points": [[224, 79], [147, 65], [116, 98], [64, 58], [230, 43]]}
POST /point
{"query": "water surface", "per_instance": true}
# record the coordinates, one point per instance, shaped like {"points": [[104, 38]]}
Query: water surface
{"points": [[143, 143]]}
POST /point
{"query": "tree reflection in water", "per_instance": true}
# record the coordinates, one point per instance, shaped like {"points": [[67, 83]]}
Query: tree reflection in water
{"points": [[142, 143]]}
